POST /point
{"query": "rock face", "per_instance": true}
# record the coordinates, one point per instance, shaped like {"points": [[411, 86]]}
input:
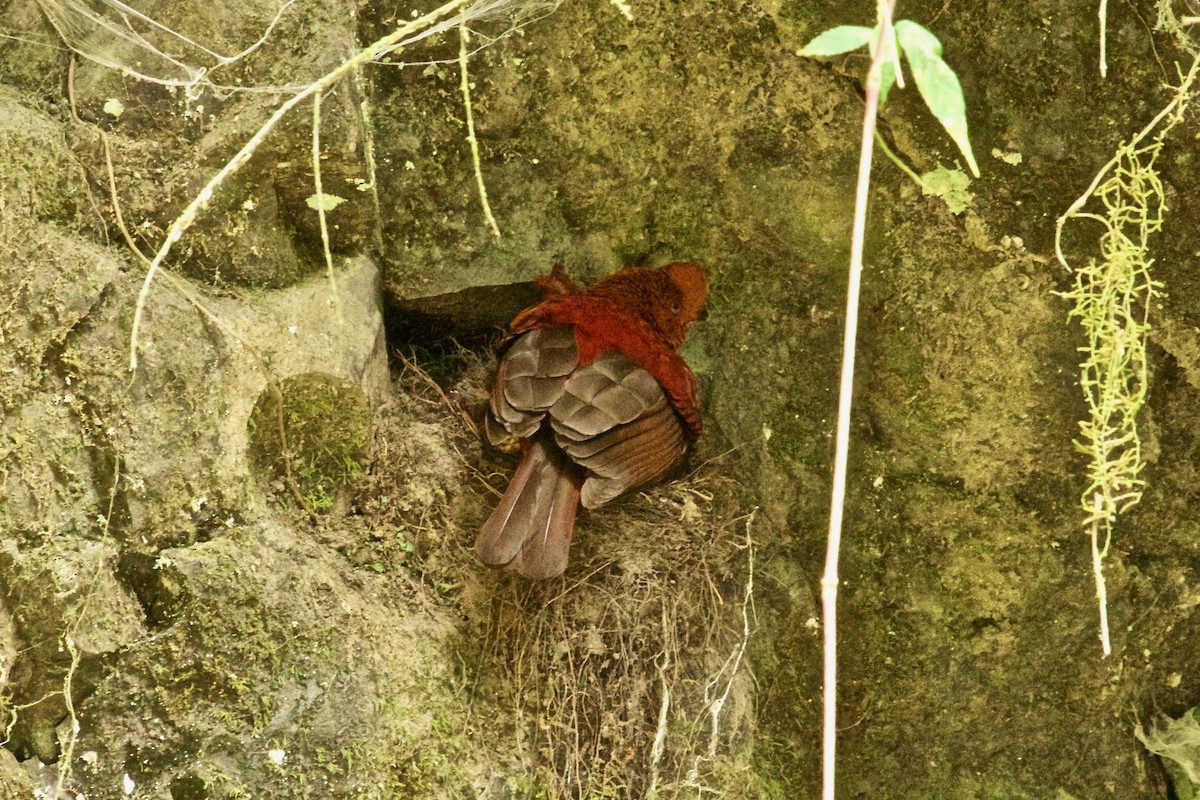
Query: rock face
{"points": [[208, 590], [130, 516]]}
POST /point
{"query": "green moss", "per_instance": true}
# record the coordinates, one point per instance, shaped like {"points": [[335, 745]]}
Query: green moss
{"points": [[325, 422], [53, 190]]}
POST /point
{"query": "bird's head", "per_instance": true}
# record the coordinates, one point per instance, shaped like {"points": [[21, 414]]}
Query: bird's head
{"points": [[682, 301], [670, 298], [692, 282]]}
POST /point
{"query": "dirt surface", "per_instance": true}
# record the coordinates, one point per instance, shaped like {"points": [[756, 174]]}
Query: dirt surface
{"points": [[177, 624]]}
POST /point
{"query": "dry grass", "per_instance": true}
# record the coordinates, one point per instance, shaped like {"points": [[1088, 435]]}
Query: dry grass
{"points": [[612, 671]]}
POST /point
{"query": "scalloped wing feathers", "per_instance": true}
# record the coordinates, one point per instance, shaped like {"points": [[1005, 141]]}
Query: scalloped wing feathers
{"points": [[591, 385], [614, 420]]}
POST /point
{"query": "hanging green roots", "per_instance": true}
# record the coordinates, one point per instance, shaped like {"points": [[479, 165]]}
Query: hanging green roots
{"points": [[1112, 299]]}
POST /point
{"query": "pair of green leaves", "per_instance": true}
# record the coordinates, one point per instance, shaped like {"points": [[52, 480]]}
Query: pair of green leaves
{"points": [[937, 83]]}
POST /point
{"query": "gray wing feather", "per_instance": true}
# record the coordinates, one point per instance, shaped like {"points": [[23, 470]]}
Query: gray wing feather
{"points": [[610, 391], [614, 420], [530, 379]]}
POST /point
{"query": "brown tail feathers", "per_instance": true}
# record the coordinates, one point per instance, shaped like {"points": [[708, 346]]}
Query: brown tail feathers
{"points": [[530, 531]]}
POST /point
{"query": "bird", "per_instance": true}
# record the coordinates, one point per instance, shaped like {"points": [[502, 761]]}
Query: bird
{"points": [[591, 389]]}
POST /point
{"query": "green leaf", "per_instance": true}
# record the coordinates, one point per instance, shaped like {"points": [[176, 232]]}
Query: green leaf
{"points": [[836, 41], [326, 201], [938, 84], [950, 185], [887, 79], [917, 38]]}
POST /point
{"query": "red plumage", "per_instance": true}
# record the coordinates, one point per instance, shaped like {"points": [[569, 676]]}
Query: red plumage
{"points": [[591, 385]]}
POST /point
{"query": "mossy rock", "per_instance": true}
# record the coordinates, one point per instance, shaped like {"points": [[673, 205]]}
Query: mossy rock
{"points": [[315, 448]]}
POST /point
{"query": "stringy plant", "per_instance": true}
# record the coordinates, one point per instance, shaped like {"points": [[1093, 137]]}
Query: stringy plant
{"points": [[1112, 299], [88, 32]]}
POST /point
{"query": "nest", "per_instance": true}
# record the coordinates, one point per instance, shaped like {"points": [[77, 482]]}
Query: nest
{"points": [[627, 676]]}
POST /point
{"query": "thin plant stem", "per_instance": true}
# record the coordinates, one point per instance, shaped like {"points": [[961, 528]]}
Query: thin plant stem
{"points": [[829, 581], [368, 148], [1098, 573], [64, 772], [664, 710], [895, 159], [1103, 14], [465, 86], [320, 195]]}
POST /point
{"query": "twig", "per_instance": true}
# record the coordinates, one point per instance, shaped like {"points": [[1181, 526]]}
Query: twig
{"points": [[68, 755], [1103, 13], [364, 112], [320, 195], [115, 199], [428, 379], [731, 666], [664, 708], [465, 85], [1098, 572]]}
